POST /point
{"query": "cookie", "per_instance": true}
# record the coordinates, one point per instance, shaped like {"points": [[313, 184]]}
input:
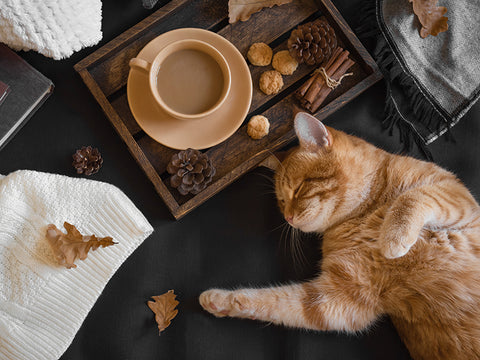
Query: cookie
{"points": [[284, 63], [260, 54], [271, 82], [258, 127]]}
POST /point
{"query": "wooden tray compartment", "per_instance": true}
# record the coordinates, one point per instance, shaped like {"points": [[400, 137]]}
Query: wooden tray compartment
{"points": [[106, 70]]}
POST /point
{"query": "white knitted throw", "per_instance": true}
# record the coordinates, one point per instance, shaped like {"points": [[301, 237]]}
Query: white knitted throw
{"points": [[42, 304], [54, 28]]}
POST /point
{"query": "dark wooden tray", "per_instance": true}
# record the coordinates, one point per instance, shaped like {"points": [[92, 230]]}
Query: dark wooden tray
{"points": [[106, 70]]}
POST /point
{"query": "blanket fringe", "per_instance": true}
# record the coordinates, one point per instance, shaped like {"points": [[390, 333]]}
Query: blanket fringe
{"points": [[423, 111]]}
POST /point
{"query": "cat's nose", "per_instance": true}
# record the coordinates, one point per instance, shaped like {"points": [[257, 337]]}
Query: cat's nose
{"points": [[289, 218]]}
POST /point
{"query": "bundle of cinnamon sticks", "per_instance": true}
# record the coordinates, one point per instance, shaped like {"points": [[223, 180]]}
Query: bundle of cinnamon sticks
{"points": [[315, 90]]}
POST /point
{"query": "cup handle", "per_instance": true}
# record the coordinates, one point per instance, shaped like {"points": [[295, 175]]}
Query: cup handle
{"points": [[140, 64]]}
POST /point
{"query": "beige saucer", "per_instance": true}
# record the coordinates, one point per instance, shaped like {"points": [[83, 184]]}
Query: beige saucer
{"points": [[204, 132]]}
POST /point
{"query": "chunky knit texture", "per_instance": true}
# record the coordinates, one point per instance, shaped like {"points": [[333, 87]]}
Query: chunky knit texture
{"points": [[42, 305], [54, 28]]}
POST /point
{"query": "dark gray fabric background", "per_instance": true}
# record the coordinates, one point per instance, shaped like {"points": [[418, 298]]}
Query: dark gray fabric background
{"points": [[231, 240]]}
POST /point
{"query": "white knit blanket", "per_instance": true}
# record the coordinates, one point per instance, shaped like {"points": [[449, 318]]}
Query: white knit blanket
{"points": [[42, 304], [54, 28]]}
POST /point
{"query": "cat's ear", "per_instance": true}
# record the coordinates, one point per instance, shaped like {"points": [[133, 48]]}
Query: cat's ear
{"points": [[311, 133]]}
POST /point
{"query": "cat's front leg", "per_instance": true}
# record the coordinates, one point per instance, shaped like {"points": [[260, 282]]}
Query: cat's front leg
{"points": [[402, 224], [319, 305], [444, 204], [223, 303], [280, 305]]}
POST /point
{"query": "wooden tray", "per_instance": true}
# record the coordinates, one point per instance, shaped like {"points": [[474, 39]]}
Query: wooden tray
{"points": [[106, 70]]}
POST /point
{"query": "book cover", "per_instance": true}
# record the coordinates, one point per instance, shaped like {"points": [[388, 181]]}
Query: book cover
{"points": [[4, 90], [24, 91]]}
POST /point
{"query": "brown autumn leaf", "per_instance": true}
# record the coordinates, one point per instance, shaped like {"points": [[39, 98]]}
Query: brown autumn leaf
{"points": [[73, 245], [243, 9], [430, 16], [164, 308]]}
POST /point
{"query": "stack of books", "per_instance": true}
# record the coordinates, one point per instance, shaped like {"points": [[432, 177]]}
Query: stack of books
{"points": [[23, 90]]}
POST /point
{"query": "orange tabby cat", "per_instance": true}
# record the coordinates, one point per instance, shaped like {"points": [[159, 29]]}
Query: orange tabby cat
{"points": [[400, 237]]}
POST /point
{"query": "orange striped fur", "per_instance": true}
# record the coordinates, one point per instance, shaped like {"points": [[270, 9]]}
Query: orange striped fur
{"points": [[401, 237]]}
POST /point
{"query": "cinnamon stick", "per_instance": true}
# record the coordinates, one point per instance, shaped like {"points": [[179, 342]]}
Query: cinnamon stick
{"points": [[316, 86], [325, 90], [302, 90]]}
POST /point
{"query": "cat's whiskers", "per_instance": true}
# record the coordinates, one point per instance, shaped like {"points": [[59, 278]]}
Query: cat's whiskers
{"points": [[270, 184], [269, 178], [299, 259], [283, 236], [291, 239], [275, 157], [278, 227]]}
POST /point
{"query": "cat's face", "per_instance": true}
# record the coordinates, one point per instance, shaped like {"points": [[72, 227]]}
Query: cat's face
{"points": [[311, 183], [309, 188]]}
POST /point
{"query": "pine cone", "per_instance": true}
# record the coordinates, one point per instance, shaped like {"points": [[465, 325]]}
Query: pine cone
{"points": [[313, 42], [87, 160], [191, 171]]}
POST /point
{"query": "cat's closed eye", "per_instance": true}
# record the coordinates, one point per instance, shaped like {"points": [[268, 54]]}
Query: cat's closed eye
{"points": [[298, 191], [309, 188]]}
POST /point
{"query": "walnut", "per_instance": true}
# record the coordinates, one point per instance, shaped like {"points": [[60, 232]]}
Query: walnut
{"points": [[284, 63], [271, 82], [258, 127], [260, 54]]}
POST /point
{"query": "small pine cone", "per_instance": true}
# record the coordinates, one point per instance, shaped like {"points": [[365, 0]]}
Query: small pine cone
{"points": [[87, 160], [313, 42], [191, 171]]}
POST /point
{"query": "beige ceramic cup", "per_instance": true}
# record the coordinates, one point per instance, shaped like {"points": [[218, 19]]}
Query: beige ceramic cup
{"points": [[190, 44]]}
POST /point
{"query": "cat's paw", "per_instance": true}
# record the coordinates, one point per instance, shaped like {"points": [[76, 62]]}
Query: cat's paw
{"points": [[393, 246], [223, 303], [393, 251]]}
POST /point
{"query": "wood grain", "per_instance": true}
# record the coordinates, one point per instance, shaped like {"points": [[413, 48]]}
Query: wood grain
{"points": [[111, 71], [268, 25], [105, 73]]}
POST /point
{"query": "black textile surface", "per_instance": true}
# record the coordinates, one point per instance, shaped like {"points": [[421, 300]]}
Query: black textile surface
{"points": [[232, 240]]}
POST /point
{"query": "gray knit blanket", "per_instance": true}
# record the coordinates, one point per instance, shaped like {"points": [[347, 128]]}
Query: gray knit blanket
{"points": [[431, 82]]}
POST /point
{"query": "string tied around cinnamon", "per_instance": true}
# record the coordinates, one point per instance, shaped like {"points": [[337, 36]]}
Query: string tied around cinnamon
{"points": [[316, 89], [330, 82]]}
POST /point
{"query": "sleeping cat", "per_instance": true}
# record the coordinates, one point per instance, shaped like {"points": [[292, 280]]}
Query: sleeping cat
{"points": [[400, 237]]}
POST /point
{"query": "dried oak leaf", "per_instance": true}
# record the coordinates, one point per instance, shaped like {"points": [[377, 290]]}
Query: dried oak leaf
{"points": [[73, 245], [243, 9], [430, 16], [164, 309]]}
